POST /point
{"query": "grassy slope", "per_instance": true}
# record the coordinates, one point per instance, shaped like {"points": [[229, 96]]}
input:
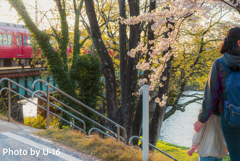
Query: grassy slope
{"points": [[178, 152], [107, 149]]}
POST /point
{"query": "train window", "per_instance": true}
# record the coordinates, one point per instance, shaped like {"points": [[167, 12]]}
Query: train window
{"points": [[9, 39], [19, 39], [25, 40], [1, 39], [29, 41], [20, 36], [4, 39]]}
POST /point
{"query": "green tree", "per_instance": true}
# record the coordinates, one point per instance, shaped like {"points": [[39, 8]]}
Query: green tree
{"points": [[64, 75]]}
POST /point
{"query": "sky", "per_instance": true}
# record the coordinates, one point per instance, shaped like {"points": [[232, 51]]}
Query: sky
{"points": [[10, 15]]}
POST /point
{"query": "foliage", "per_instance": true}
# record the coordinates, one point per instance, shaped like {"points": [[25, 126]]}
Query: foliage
{"points": [[36, 53], [3, 103], [87, 74], [107, 149], [57, 60], [171, 19], [196, 50], [178, 26], [40, 122]]}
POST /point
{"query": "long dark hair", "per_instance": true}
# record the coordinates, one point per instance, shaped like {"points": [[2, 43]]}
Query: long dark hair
{"points": [[229, 44]]}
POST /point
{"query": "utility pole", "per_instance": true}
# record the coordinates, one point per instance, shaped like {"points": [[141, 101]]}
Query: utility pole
{"points": [[145, 105], [36, 18]]}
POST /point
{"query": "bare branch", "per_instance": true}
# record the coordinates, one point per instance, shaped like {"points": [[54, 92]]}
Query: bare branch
{"points": [[229, 4], [180, 107]]}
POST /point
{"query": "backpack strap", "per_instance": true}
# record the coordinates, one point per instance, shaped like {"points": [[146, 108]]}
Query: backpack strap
{"points": [[228, 69]]}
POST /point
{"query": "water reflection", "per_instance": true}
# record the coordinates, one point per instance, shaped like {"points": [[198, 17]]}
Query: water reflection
{"points": [[178, 129]]}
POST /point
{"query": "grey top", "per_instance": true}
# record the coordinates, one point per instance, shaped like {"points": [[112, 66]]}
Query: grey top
{"points": [[216, 78]]}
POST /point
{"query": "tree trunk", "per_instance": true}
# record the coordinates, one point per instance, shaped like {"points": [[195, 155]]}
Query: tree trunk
{"points": [[137, 123], [156, 123], [107, 65], [128, 105], [123, 57]]}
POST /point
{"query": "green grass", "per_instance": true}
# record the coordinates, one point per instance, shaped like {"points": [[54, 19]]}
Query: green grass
{"points": [[179, 152], [226, 159]]}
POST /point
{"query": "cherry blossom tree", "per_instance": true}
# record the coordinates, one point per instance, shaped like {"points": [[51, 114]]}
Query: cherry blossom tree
{"points": [[169, 21]]}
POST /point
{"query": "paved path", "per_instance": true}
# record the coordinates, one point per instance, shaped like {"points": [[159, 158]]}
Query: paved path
{"points": [[17, 143]]}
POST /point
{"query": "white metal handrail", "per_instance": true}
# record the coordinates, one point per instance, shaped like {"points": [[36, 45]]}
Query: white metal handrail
{"points": [[82, 104]]}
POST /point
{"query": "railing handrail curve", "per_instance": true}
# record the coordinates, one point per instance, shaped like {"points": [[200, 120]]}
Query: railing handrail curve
{"points": [[94, 128], [34, 93], [9, 80], [137, 137], [80, 103], [5, 88], [84, 125]]}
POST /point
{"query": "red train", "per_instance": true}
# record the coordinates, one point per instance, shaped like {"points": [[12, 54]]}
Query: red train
{"points": [[16, 42]]}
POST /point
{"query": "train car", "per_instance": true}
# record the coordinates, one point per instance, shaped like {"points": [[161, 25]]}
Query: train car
{"points": [[16, 44]]}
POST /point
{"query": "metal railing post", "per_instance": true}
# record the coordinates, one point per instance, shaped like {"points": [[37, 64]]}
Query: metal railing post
{"points": [[9, 103], [48, 96], [73, 122], [118, 133], [145, 143]]}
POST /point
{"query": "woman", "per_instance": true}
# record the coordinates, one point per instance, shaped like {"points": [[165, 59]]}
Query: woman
{"points": [[214, 91]]}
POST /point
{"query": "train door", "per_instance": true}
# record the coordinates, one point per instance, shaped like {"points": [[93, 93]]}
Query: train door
{"points": [[20, 44]]}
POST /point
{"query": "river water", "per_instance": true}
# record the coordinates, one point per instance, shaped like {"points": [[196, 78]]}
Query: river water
{"points": [[178, 128]]}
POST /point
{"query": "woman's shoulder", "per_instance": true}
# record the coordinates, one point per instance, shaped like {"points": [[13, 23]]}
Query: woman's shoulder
{"points": [[216, 62]]}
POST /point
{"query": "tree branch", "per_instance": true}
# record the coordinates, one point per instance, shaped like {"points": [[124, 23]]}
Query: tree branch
{"points": [[64, 32], [180, 107]]}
